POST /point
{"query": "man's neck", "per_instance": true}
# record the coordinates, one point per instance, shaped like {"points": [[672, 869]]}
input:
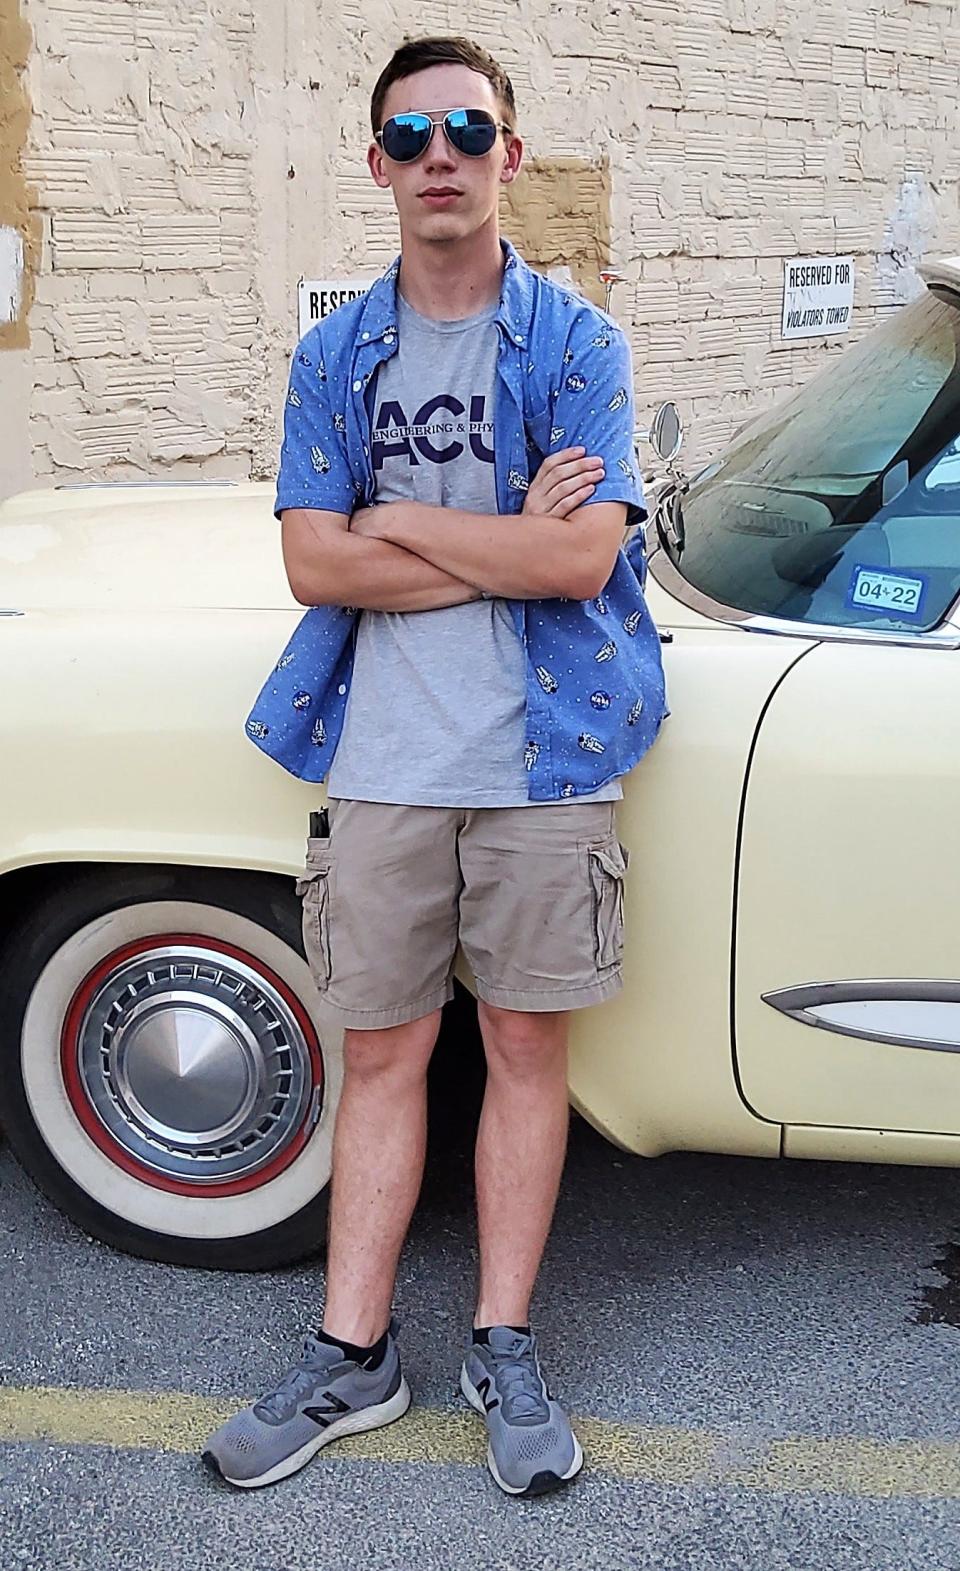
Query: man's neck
{"points": [[452, 279]]}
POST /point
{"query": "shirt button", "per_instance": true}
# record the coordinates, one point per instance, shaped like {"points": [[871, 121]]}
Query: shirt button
{"points": [[357, 386], [519, 338], [342, 689], [366, 335]]}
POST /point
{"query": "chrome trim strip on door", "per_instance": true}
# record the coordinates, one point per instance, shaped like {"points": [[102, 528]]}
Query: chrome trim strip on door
{"points": [[673, 581], [901, 1012], [828, 632]]}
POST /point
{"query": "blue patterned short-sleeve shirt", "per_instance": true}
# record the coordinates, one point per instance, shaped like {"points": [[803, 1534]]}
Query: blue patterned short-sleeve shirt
{"points": [[595, 694]]}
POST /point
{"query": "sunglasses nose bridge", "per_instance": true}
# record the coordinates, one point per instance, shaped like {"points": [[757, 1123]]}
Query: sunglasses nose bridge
{"points": [[441, 145]]}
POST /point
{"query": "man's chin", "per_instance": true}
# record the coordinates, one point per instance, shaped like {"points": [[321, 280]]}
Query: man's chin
{"points": [[444, 228]]}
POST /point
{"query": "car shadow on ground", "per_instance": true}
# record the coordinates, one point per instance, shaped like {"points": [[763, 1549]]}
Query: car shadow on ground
{"points": [[632, 1212]]}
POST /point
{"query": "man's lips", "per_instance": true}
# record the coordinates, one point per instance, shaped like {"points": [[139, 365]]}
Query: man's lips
{"points": [[439, 196]]}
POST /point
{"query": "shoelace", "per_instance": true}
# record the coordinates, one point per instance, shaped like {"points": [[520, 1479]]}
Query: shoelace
{"points": [[519, 1385], [282, 1402]]}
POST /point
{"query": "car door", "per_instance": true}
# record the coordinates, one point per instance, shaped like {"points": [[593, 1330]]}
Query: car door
{"points": [[835, 517], [847, 938]]}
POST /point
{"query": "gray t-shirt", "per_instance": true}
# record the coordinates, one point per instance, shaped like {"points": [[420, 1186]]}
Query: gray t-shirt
{"points": [[435, 715]]}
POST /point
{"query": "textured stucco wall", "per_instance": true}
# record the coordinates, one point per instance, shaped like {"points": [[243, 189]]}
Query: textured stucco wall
{"points": [[19, 253], [187, 160], [19, 237]]}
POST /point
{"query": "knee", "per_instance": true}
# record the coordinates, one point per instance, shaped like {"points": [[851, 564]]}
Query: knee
{"points": [[397, 1054], [523, 1044]]}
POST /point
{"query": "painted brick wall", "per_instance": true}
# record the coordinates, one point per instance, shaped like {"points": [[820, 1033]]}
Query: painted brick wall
{"points": [[187, 160]]}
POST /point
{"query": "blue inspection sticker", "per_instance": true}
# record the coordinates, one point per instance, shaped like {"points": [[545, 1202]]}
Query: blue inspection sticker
{"points": [[877, 589]]}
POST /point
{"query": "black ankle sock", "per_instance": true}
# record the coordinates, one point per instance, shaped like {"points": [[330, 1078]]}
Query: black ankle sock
{"points": [[368, 1357], [481, 1334]]}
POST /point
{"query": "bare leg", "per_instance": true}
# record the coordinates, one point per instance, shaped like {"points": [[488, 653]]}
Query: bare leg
{"points": [[378, 1156], [521, 1145]]}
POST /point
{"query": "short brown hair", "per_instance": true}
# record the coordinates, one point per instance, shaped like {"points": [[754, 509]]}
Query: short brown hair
{"points": [[418, 53]]}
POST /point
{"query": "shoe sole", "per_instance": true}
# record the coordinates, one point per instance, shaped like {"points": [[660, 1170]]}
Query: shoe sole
{"points": [[356, 1423], [540, 1483]]}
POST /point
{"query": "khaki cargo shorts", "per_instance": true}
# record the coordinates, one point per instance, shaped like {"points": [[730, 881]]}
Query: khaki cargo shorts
{"points": [[534, 895]]}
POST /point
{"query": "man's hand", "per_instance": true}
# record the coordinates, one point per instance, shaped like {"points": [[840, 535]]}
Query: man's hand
{"points": [[563, 483]]}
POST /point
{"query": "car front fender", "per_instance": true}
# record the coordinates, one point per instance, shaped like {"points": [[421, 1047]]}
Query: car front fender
{"points": [[122, 736]]}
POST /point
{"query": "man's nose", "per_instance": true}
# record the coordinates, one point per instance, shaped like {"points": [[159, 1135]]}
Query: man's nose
{"points": [[439, 154]]}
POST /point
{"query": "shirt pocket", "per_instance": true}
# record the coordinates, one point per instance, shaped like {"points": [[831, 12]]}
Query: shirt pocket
{"points": [[314, 891], [537, 430]]}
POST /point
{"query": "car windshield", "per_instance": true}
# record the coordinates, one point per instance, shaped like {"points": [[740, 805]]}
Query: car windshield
{"points": [[842, 505]]}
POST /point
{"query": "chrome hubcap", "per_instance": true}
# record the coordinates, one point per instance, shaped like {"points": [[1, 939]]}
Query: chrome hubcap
{"points": [[195, 1064]]}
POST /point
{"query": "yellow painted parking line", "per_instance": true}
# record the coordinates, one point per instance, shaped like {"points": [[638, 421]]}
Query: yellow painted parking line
{"points": [[176, 1421], [852, 1465]]}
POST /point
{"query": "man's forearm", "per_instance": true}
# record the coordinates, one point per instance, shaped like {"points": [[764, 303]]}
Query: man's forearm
{"points": [[350, 569], [519, 557]]}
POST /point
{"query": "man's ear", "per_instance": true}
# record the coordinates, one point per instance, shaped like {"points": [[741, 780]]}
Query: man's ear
{"points": [[512, 162], [377, 166]]}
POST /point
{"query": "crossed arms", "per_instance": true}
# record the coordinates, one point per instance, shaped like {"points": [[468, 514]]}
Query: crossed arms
{"points": [[405, 556]]}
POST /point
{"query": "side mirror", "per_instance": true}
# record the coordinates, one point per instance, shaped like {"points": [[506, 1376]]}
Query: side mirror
{"points": [[666, 433]]}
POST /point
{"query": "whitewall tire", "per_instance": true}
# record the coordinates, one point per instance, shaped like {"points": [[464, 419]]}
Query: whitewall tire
{"points": [[171, 1080]]}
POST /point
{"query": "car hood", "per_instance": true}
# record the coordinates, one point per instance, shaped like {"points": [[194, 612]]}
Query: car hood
{"points": [[156, 545], [117, 547]]}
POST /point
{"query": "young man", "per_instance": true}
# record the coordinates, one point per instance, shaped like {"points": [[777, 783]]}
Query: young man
{"points": [[474, 683]]}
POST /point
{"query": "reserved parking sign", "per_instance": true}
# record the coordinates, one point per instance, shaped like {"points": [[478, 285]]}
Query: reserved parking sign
{"points": [[817, 296], [316, 298]]}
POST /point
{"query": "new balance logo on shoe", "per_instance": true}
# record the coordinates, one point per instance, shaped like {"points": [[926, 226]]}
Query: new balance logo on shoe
{"points": [[326, 1415], [482, 1390]]}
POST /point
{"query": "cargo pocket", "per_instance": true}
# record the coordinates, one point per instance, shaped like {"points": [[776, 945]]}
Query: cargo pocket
{"points": [[314, 891], [608, 865]]}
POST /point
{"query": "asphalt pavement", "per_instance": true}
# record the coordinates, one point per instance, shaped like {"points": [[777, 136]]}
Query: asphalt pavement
{"points": [[761, 1359]]}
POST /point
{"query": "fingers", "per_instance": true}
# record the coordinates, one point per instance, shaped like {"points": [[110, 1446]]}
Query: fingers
{"points": [[566, 462], [569, 504], [564, 488], [559, 499], [563, 455], [564, 480], [564, 477], [582, 470]]}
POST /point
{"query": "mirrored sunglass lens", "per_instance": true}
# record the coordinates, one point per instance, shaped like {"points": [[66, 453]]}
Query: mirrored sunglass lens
{"points": [[472, 131], [405, 136]]}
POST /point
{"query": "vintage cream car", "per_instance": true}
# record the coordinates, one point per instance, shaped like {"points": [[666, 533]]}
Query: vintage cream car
{"points": [[793, 958]]}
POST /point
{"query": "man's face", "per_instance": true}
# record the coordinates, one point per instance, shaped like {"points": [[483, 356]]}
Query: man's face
{"points": [[444, 195]]}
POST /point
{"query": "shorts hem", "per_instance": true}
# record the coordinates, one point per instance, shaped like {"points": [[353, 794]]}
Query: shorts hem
{"points": [[397, 1015], [541, 1000]]}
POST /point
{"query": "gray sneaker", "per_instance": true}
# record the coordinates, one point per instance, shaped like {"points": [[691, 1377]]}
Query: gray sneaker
{"points": [[323, 1397], [532, 1447]]}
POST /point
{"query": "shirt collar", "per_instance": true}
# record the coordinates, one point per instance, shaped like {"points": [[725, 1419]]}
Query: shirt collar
{"points": [[379, 316]]}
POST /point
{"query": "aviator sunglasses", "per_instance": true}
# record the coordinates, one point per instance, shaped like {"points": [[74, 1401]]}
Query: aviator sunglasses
{"points": [[471, 131]]}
